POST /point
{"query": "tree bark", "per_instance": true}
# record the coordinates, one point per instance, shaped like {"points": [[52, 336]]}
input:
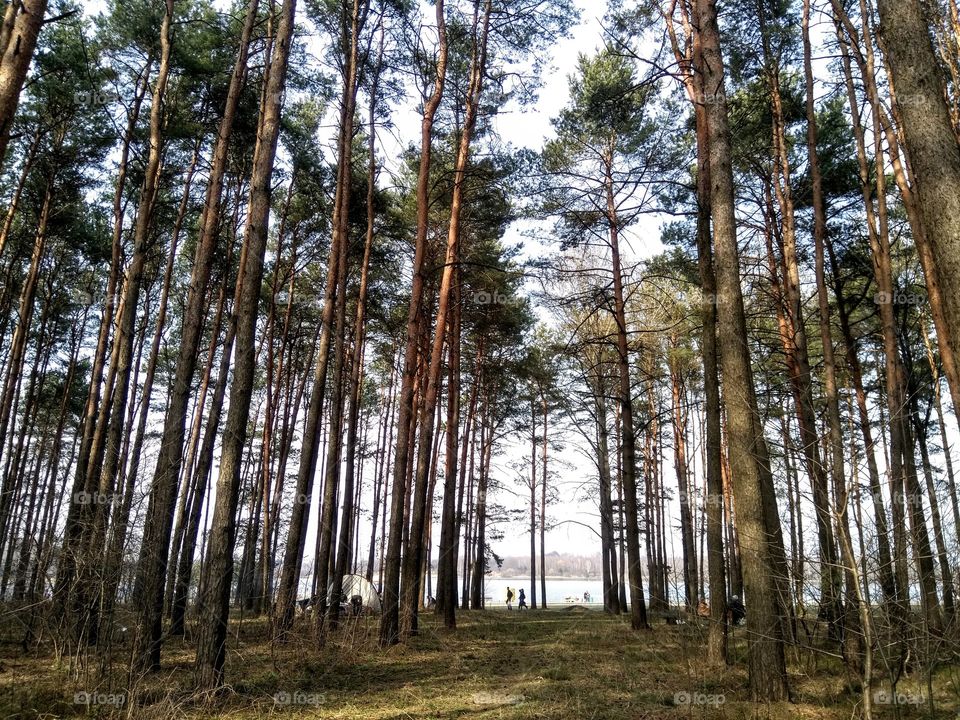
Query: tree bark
{"points": [[215, 605], [390, 621], [931, 145], [16, 52], [359, 336], [152, 564], [447, 557], [767, 666], [628, 467], [412, 590]]}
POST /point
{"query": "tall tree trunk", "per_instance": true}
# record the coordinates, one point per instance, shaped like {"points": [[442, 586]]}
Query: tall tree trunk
{"points": [[945, 445], [826, 337], [794, 338], [922, 553], [887, 579], [447, 556], [480, 538], [17, 45], [359, 337], [946, 575], [380, 489], [351, 25], [73, 528], [767, 665], [18, 346], [121, 510], [931, 145], [105, 448], [717, 634], [466, 459], [154, 555], [533, 506], [628, 467], [200, 479], [25, 170], [611, 600], [414, 557], [543, 534], [215, 605], [390, 619], [690, 581]]}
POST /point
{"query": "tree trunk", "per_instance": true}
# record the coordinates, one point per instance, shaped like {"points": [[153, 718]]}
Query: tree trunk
{"points": [[18, 346], [690, 582], [611, 600], [826, 337], [931, 145], [480, 538], [199, 481], [390, 621], [628, 468], [215, 605], [16, 52], [533, 506], [717, 634], [447, 556], [887, 579], [152, 565], [105, 447], [356, 366], [73, 528], [767, 666]]}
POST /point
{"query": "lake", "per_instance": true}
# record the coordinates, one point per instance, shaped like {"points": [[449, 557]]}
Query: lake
{"points": [[558, 589]]}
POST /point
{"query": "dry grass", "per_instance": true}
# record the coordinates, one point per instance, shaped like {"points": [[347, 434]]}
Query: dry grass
{"points": [[539, 664]]}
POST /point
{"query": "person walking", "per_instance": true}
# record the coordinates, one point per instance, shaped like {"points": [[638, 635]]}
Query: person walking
{"points": [[509, 598], [523, 601]]}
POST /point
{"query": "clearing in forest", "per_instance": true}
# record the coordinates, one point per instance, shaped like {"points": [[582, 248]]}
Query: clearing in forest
{"points": [[559, 663]]}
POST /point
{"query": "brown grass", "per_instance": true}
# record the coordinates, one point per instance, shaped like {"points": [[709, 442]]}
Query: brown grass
{"points": [[538, 664]]}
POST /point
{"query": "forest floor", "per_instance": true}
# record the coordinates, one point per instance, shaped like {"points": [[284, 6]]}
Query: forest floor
{"points": [[563, 664]]}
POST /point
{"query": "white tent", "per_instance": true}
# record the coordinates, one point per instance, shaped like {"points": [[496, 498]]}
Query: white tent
{"points": [[358, 585]]}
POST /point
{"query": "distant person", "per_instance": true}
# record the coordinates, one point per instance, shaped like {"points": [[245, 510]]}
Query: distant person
{"points": [[509, 598], [586, 596], [523, 601], [736, 612]]}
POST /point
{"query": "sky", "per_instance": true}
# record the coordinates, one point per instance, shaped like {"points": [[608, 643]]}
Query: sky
{"points": [[576, 523]]}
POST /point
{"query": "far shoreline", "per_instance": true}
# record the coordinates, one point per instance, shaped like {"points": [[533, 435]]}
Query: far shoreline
{"points": [[548, 577]]}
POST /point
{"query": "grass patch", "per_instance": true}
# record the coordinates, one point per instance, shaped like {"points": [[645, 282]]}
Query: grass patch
{"points": [[510, 666]]}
